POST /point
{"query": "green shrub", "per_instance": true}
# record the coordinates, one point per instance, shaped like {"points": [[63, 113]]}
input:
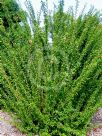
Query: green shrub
{"points": [[53, 88]]}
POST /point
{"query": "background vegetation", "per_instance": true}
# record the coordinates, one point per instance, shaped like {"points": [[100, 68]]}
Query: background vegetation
{"points": [[53, 88]]}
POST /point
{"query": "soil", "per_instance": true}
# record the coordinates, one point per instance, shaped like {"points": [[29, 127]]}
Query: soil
{"points": [[97, 123], [8, 129]]}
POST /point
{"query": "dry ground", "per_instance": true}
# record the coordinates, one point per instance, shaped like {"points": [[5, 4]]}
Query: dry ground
{"points": [[7, 129]]}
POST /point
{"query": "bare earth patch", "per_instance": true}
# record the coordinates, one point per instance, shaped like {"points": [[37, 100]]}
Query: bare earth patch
{"points": [[7, 129], [97, 121]]}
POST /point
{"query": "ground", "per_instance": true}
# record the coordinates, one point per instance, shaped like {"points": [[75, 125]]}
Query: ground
{"points": [[97, 122], [8, 129]]}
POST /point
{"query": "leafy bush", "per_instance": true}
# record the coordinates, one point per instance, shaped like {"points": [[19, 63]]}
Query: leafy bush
{"points": [[53, 88]]}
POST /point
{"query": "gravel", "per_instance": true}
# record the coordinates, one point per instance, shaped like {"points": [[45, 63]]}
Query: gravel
{"points": [[7, 129], [96, 120]]}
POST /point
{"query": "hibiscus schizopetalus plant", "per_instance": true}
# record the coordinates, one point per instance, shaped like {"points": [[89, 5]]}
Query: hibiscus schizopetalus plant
{"points": [[52, 80]]}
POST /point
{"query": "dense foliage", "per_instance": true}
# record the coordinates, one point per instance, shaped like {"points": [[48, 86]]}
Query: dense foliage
{"points": [[9, 10], [53, 88]]}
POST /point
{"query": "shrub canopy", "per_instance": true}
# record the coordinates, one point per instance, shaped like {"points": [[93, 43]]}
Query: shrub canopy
{"points": [[53, 88]]}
